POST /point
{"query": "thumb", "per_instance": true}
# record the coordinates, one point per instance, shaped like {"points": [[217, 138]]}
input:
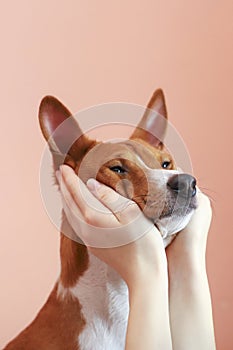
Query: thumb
{"points": [[133, 223]]}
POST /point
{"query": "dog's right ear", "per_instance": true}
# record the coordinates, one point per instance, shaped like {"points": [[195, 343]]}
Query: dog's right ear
{"points": [[61, 131], [153, 125]]}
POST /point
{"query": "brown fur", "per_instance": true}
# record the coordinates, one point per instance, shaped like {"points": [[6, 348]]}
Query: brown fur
{"points": [[56, 326], [59, 322]]}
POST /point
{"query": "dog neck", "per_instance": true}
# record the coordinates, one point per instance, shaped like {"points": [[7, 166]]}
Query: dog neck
{"points": [[98, 278], [86, 272], [103, 297]]}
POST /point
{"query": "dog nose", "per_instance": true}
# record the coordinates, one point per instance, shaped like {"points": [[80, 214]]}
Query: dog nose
{"points": [[183, 184]]}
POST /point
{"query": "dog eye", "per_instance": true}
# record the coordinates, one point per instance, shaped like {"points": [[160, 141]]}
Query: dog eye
{"points": [[118, 169], [166, 164]]}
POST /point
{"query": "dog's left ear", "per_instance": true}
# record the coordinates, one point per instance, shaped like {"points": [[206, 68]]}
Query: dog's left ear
{"points": [[62, 132], [153, 125]]}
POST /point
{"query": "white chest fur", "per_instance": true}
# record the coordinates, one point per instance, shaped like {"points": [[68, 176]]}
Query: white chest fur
{"points": [[103, 296]]}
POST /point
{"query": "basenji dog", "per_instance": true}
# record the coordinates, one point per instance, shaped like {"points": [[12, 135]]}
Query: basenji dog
{"points": [[88, 306]]}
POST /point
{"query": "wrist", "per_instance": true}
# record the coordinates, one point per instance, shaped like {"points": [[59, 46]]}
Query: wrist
{"points": [[148, 278], [187, 266], [186, 254]]}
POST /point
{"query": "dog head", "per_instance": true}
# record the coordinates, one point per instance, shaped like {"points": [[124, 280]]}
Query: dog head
{"points": [[139, 168]]}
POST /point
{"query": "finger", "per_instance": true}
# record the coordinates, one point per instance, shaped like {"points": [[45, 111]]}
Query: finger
{"points": [[123, 208], [81, 195], [93, 231], [89, 233], [202, 197], [201, 219], [67, 197], [91, 208], [72, 219]]}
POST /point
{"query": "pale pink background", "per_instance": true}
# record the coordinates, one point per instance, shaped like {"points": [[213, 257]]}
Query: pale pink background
{"points": [[100, 51]]}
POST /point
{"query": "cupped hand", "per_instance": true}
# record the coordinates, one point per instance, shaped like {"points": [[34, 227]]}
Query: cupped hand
{"points": [[191, 241], [112, 227]]}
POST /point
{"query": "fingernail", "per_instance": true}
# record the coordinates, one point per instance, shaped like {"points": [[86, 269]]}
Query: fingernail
{"points": [[93, 185]]}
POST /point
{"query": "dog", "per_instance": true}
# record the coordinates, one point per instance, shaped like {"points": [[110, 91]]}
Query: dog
{"points": [[88, 306]]}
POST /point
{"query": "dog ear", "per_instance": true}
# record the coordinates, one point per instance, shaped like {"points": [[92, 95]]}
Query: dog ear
{"points": [[153, 125], [61, 131]]}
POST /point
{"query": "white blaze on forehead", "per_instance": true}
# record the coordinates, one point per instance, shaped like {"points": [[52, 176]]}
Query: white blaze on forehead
{"points": [[168, 226], [156, 174]]}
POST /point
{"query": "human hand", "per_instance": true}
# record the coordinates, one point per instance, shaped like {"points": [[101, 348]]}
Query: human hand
{"points": [[103, 218], [190, 243], [189, 294]]}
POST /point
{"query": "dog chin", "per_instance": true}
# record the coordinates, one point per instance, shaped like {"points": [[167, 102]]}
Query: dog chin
{"points": [[170, 225]]}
